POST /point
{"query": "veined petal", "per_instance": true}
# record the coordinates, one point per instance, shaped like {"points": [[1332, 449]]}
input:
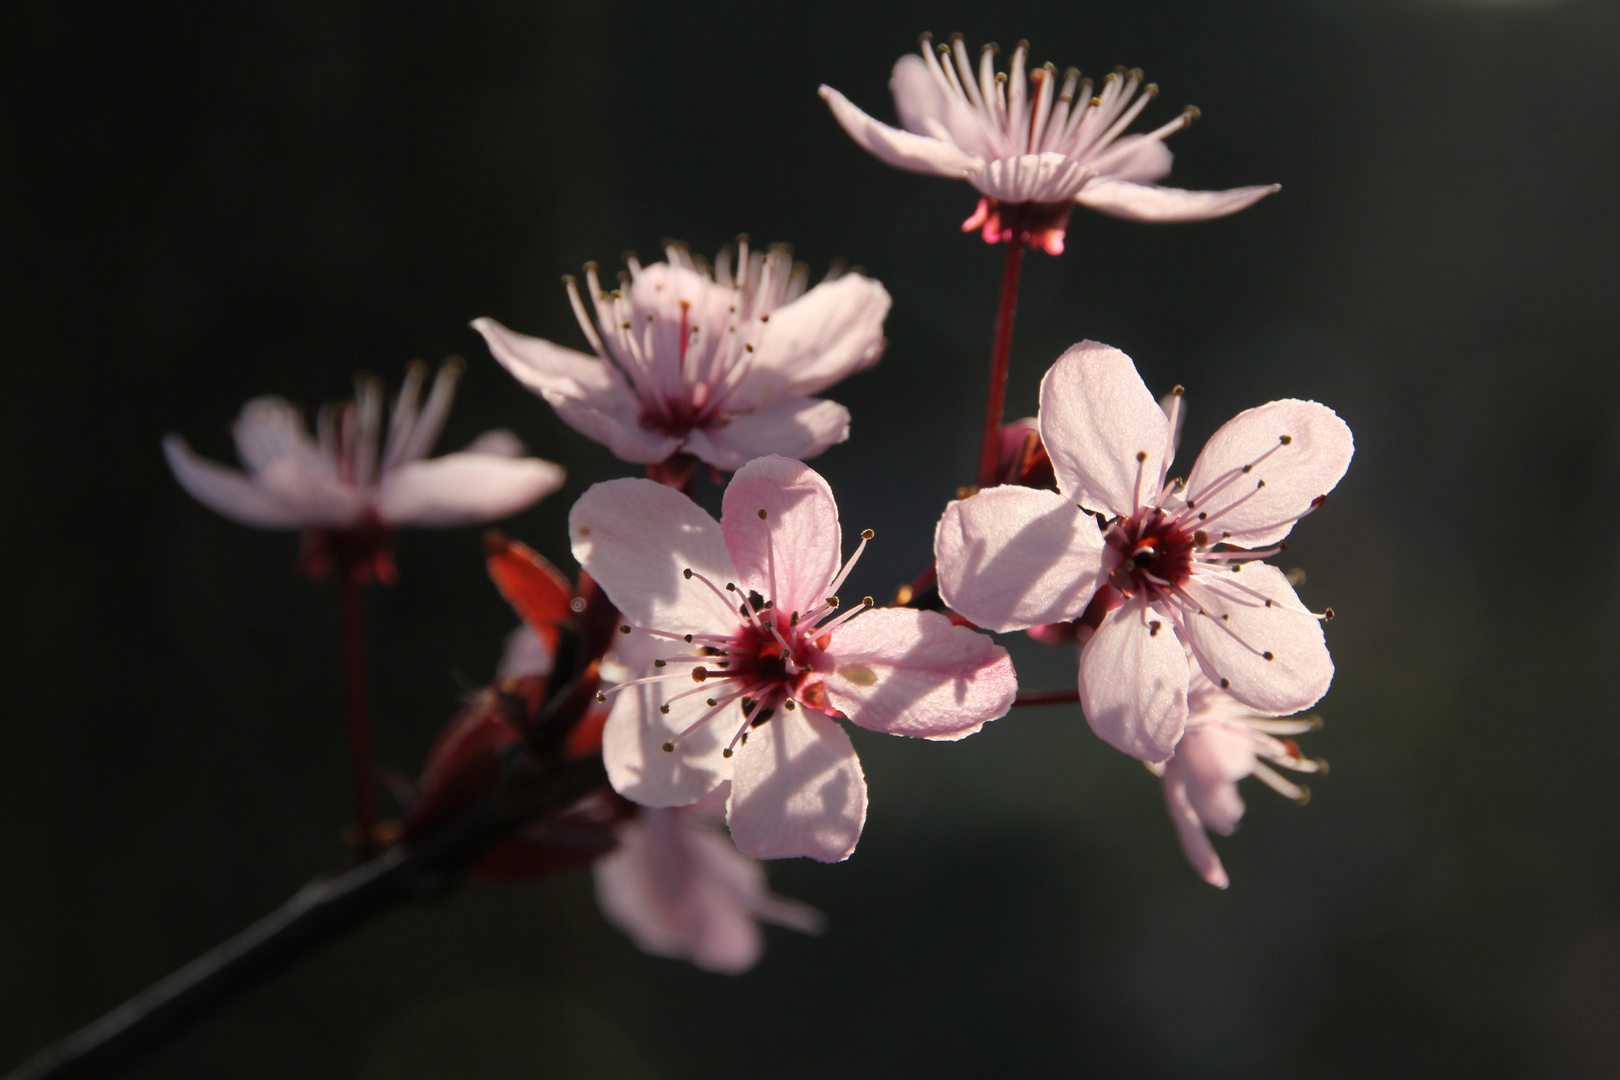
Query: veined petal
{"points": [[1254, 485], [1013, 557], [641, 770], [781, 528], [1030, 178], [1190, 830], [797, 789], [902, 149], [226, 491], [1133, 682], [826, 335], [795, 428], [1255, 640], [636, 537], [1146, 202], [910, 672], [1108, 439], [464, 489]]}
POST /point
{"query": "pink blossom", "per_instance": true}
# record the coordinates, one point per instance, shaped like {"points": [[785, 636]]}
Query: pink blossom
{"points": [[1172, 571], [1226, 741], [722, 366], [346, 492], [678, 887], [751, 660], [1023, 143]]}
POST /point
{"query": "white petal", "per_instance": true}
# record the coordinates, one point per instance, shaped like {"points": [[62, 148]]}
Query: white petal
{"points": [[1247, 615], [588, 393], [499, 441], [924, 108], [902, 149], [308, 484], [1108, 439], [796, 428], [1013, 557], [270, 429], [464, 489], [1145, 202], [226, 491], [1039, 178], [829, 333], [1253, 486], [797, 789], [636, 537], [1133, 682], [638, 766], [1211, 759], [781, 527], [524, 654]]}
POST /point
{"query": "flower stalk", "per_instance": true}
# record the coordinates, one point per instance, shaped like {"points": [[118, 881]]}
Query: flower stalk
{"points": [[996, 395], [354, 671]]}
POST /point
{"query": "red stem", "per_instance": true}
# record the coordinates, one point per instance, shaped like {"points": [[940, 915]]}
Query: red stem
{"points": [[990, 448], [1048, 697], [354, 662]]}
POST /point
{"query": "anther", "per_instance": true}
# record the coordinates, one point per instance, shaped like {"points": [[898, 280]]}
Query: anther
{"points": [[1285, 439], [711, 702], [669, 748], [726, 752], [1226, 684], [1328, 615], [1154, 627], [867, 601], [1141, 455], [867, 534], [789, 705], [762, 514], [731, 586], [660, 663], [689, 639], [1201, 538], [1178, 389], [699, 674], [1268, 655], [832, 602], [626, 630], [793, 620], [600, 696], [664, 709], [687, 573], [1260, 484]]}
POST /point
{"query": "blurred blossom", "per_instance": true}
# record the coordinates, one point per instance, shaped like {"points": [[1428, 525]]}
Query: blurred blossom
{"points": [[1022, 140], [736, 607], [678, 887], [1172, 572], [1225, 741], [718, 365], [346, 493]]}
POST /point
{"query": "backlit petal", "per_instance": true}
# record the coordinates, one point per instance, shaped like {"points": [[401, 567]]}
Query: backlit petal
{"points": [[1014, 557], [1030, 178], [639, 767], [227, 491], [797, 789], [792, 553], [910, 672], [1190, 830], [1247, 616], [1133, 682], [829, 333], [464, 489], [795, 428], [1108, 439], [902, 149], [1146, 202]]}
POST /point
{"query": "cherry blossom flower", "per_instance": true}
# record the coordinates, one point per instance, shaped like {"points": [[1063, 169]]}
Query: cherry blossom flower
{"points": [[1225, 742], [753, 657], [678, 887], [1020, 138], [1174, 568], [720, 365], [347, 494]]}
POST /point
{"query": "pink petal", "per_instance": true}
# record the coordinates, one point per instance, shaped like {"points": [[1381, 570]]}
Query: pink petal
{"points": [[795, 428], [464, 489], [1207, 758], [925, 109], [226, 491], [524, 654], [1145, 202], [902, 149], [1040, 178], [636, 537], [1135, 158], [309, 485], [791, 554], [797, 789], [1014, 557], [633, 749], [911, 672], [1108, 439], [1258, 507], [1194, 841], [1133, 682], [270, 429], [829, 333], [1246, 616], [498, 441], [588, 393]]}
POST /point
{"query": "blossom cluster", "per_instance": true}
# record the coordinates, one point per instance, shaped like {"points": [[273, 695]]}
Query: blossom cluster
{"points": [[736, 652]]}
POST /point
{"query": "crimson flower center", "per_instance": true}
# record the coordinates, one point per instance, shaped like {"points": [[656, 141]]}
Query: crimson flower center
{"points": [[1154, 551]]}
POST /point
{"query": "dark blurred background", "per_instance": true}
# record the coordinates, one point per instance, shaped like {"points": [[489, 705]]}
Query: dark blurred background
{"points": [[204, 202]]}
